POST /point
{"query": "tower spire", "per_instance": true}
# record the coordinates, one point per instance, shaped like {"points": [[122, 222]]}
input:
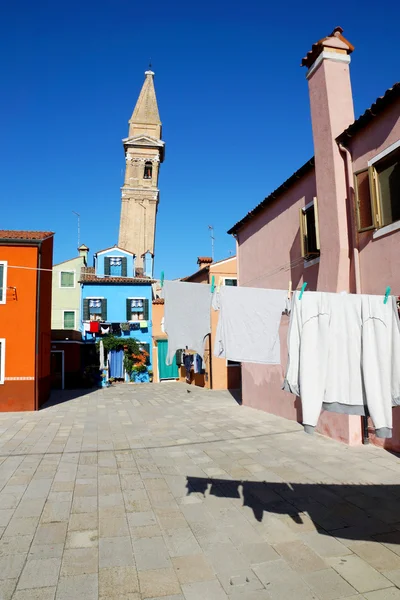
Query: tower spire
{"points": [[146, 109]]}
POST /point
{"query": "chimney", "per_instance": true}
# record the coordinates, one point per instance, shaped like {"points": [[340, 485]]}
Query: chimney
{"points": [[83, 251], [332, 111], [204, 261]]}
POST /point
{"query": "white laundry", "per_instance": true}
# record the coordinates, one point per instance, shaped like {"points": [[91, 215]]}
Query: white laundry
{"points": [[344, 356], [248, 325], [186, 316]]}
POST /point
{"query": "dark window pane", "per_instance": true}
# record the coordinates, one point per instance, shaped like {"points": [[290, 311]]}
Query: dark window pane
{"points": [[388, 173], [312, 249], [364, 201]]}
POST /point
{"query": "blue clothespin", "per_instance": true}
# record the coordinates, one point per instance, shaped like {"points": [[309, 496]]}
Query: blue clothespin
{"points": [[386, 294], [212, 284], [303, 287], [162, 278]]}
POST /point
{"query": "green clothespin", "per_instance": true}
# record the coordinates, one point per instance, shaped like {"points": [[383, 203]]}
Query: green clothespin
{"points": [[162, 278], [303, 287], [386, 294], [212, 284]]}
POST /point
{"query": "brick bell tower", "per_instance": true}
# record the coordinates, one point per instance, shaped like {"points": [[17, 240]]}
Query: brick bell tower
{"points": [[144, 152]]}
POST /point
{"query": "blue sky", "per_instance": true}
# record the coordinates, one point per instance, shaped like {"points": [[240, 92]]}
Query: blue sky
{"points": [[232, 97]]}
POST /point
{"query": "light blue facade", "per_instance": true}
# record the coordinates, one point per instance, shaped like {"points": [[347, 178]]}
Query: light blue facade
{"points": [[99, 261], [118, 301]]}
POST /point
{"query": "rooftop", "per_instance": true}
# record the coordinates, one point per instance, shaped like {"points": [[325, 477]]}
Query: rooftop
{"points": [[92, 278], [8, 234]]}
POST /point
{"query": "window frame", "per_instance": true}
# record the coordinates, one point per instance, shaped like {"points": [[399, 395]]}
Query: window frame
{"points": [[137, 298], [374, 185], [69, 311], [4, 282], [67, 287], [357, 206], [303, 231], [148, 163], [3, 361], [232, 278], [92, 298], [237, 364]]}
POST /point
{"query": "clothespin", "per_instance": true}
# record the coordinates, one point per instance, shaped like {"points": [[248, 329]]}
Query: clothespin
{"points": [[162, 278], [212, 284], [289, 290], [219, 283], [303, 287], [386, 294]]}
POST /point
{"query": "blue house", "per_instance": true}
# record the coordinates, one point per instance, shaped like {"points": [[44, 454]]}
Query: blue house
{"points": [[117, 300]]}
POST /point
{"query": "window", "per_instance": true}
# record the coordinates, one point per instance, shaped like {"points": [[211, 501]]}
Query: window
{"points": [[309, 231], [232, 363], [148, 170], [137, 309], [364, 208], [95, 309], [385, 187], [2, 359], [69, 319], [3, 282], [115, 266], [67, 279], [230, 281]]}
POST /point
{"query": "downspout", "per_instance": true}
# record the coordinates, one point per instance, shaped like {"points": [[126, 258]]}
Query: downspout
{"points": [[356, 255], [37, 326]]}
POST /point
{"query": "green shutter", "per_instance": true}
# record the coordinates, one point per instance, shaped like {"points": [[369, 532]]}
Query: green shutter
{"points": [[69, 319], [1, 282], [145, 310], [128, 309], [106, 265], [86, 316], [124, 266], [146, 347], [104, 309]]}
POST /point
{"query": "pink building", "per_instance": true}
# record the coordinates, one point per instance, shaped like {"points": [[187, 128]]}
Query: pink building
{"points": [[335, 223]]}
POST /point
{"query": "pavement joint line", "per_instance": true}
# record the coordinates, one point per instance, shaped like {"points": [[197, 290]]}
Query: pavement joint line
{"points": [[249, 437]]}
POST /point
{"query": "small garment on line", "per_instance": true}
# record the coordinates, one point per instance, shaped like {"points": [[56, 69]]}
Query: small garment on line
{"points": [[94, 327], [248, 324], [186, 316], [344, 357], [86, 327]]}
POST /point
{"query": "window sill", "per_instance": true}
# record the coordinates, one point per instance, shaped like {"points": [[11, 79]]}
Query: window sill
{"points": [[386, 229], [310, 263]]}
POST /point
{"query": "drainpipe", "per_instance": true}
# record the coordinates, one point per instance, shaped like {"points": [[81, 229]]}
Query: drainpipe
{"points": [[356, 255]]}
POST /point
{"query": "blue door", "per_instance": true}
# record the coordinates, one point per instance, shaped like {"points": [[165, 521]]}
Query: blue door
{"points": [[165, 371]]}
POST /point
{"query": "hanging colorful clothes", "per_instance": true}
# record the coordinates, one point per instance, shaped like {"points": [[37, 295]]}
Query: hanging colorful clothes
{"points": [[94, 327]]}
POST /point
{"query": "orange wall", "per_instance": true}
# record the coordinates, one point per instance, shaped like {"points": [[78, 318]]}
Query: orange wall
{"points": [[18, 327]]}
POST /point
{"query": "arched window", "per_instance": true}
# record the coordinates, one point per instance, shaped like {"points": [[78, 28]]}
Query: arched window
{"points": [[148, 170]]}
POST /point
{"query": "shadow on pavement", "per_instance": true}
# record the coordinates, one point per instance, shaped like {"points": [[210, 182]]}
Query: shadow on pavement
{"points": [[347, 511], [61, 396]]}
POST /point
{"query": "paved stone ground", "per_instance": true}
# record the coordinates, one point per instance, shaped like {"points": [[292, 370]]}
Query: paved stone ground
{"points": [[161, 491]]}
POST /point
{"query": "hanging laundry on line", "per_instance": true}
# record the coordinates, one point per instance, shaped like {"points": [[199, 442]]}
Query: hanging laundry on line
{"points": [[248, 324], [344, 357], [186, 316]]}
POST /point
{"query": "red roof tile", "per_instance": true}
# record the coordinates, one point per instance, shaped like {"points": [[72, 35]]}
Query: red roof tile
{"points": [[91, 278], [7, 234], [317, 48], [204, 259]]}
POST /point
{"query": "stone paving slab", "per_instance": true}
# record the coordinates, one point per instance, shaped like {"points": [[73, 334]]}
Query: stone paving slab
{"points": [[170, 492]]}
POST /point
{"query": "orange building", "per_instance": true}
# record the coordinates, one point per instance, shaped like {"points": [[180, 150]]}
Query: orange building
{"points": [[219, 374], [26, 260]]}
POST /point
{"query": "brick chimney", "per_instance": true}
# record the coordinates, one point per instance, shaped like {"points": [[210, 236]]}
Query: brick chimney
{"points": [[332, 111], [204, 261]]}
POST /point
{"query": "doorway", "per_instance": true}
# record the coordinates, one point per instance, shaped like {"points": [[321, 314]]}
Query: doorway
{"points": [[57, 369], [165, 371]]}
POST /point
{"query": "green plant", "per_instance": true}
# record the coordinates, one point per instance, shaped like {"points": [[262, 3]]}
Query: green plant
{"points": [[112, 342], [139, 368]]}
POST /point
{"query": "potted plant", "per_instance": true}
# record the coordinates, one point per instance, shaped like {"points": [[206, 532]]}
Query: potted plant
{"points": [[150, 372]]}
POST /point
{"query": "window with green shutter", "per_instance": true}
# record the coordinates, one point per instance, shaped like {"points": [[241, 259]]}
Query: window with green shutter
{"points": [[124, 266], [69, 319], [145, 310], [107, 267], [67, 279]]}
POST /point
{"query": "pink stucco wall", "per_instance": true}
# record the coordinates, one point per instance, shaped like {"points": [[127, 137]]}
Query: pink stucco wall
{"points": [[273, 237], [269, 252]]}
